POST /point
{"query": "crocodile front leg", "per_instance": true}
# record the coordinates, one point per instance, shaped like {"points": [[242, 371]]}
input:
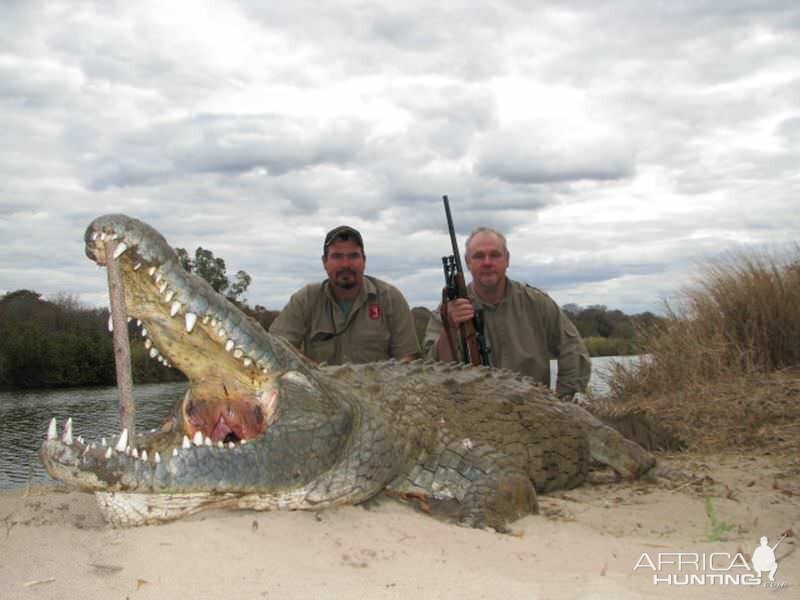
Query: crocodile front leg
{"points": [[498, 499], [473, 485]]}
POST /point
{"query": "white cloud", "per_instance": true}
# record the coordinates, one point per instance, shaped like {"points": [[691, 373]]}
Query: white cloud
{"points": [[616, 143]]}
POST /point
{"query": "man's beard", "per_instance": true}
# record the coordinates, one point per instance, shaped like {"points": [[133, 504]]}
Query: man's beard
{"points": [[346, 285]]}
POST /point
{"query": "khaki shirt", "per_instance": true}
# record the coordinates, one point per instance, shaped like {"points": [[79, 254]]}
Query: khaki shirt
{"points": [[525, 330], [379, 325]]}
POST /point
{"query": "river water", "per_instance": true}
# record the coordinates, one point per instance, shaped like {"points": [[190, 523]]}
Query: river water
{"points": [[24, 416]]}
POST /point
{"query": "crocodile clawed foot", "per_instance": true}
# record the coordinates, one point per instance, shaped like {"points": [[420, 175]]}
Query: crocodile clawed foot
{"points": [[498, 500]]}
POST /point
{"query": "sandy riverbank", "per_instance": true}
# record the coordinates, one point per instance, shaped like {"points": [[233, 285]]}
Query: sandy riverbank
{"points": [[584, 544]]}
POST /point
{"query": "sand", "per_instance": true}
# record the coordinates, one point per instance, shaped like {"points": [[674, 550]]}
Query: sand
{"points": [[584, 544]]}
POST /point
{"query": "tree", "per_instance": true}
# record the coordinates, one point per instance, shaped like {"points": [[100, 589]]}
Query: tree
{"points": [[213, 270]]}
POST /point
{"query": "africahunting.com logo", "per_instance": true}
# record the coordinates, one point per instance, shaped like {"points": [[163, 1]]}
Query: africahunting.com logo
{"points": [[715, 568]]}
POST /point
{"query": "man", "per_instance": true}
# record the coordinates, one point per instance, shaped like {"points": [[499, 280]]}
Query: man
{"points": [[349, 317], [524, 327]]}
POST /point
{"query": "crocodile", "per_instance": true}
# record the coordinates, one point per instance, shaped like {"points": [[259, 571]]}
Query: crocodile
{"points": [[262, 427]]}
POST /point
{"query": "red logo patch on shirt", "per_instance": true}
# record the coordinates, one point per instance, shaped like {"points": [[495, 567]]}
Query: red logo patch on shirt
{"points": [[374, 311]]}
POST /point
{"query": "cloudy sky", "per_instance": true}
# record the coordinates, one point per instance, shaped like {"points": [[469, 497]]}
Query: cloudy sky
{"points": [[617, 143]]}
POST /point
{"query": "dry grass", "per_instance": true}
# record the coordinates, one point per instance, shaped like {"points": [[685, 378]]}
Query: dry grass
{"points": [[720, 372]]}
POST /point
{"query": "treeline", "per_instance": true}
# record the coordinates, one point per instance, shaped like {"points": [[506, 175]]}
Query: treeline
{"points": [[610, 332], [61, 343]]}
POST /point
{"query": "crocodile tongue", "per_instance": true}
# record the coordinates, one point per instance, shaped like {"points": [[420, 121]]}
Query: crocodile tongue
{"points": [[222, 431], [242, 415]]}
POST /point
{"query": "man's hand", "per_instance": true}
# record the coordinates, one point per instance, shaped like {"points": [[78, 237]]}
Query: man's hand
{"points": [[459, 311]]}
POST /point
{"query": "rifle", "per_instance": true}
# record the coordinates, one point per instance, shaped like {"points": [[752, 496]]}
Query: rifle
{"points": [[474, 348]]}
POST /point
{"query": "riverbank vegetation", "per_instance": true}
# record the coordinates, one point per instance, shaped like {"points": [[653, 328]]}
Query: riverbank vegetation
{"points": [[610, 332], [63, 344], [724, 367]]}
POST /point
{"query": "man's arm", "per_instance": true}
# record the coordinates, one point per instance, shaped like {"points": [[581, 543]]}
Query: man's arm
{"points": [[438, 348], [403, 344], [292, 322], [574, 364]]}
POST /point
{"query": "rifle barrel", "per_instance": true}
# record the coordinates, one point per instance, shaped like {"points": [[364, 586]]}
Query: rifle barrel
{"points": [[451, 229]]}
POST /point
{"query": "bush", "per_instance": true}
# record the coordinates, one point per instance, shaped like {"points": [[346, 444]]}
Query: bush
{"points": [[603, 346], [741, 316]]}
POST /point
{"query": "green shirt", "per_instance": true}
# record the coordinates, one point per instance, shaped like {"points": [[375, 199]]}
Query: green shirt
{"points": [[525, 330], [377, 327]]}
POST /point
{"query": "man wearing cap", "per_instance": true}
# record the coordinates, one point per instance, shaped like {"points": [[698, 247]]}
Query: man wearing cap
{"points": [[349, 317], [524, 327]]}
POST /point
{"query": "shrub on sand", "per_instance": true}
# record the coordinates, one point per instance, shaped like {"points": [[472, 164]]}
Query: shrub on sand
{"points": [[733, 334]]}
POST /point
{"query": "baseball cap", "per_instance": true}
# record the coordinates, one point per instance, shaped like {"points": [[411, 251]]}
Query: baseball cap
{"points": [[342, 232]]}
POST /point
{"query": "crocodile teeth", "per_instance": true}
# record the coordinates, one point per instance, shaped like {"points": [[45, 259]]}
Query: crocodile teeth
{"points": [[185, 443], [121, 247], [206, 319], [229, 345], [197, 440], [191, 320], [103, 442], [151, 271], [173, 310], [123, 441], [153, 352], [67, 437], [135, 453], [148, 344], [231, 445], [157, 458], [162, 288], [175, 450], [95, 235], [102, 236], [247, 362], [169, 295], [238, 353], [144, 331], [207, 441], [157, 278], [51, 429], [108, 452], [219, 444], [144, 455], [137, 266], [221, 333]]}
